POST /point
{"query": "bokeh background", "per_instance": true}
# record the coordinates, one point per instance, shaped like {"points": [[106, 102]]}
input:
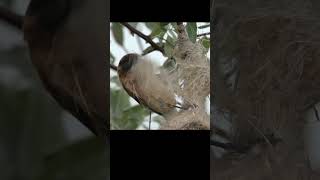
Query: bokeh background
{"points": [[38, 140]]}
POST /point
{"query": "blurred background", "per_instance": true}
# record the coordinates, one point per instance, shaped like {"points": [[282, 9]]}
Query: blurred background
{"points": [[125, 112], [38, 140]]}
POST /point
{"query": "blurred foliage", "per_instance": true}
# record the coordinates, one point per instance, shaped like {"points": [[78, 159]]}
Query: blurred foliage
{"points": [[123, 114], [66, 164], [35, 140], [117, 31]]}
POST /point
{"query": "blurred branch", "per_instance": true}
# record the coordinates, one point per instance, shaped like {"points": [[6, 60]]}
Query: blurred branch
{"points": [[11, 18], [143, 36], [148, 51], [203, 34], [113, 67], [226, 146]]}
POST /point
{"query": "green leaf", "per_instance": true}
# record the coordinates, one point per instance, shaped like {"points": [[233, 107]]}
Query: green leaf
{"points": [[117, 31], [172, 34], [112, 58], [192, 31], [174, 25], [168, 49], [119, 100], [147, 50], [115, 79], [164, 24], [133, 24], [156, 31], [152, 25], [205, 42], [150, 49], [132, 117], [169, 64], [168, 46]]}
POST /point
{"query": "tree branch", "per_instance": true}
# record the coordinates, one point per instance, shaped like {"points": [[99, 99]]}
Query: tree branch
{"points": [[11, 17], [203, 34], [143, 36], [113, 67], [226, 146]]}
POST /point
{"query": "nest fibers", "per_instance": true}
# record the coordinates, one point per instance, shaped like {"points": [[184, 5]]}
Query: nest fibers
{"points": [[277, 60], [190, 80]]}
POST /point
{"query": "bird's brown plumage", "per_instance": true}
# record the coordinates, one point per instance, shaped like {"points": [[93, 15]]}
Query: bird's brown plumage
{"points": [[67, 46], [139, 80]]}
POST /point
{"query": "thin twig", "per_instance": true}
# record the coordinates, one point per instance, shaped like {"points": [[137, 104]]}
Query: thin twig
{"points": [[113, 67], [150, 121], [228, 146], [316, 113], [143, 36], [11, 17], [203, 34]]}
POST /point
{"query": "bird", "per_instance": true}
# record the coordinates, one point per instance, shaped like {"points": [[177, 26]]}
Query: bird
{"points": [[66, 41], [139, 80]]}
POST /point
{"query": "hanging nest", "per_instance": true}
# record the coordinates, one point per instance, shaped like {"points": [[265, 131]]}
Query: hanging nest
{"points": [[191, 81], [270, 69]]}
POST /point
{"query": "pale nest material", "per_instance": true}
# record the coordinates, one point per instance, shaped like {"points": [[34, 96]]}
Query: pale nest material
{"points": [[187, 120], [277, 57], [191, 81]]}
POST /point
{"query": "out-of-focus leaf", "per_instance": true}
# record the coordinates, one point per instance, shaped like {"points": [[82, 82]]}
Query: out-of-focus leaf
{"points": [[132, 117], [205, 42], [151, 25], [174, 25], [133, 24], [168, 50], [112, 58], [168, 46], [86, 160], [156, 30], [151, 49], [115, 79], [147, 50], [169, 64], [192, 31], [117, 31], [119, 100], [172, 34], [157, 119], [164, 24]]}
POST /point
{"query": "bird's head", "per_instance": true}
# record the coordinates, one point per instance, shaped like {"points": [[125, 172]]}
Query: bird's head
{"points": [[127, 62]]}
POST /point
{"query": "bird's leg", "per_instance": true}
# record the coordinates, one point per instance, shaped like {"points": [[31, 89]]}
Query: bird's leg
{"points": [[150, 121]]}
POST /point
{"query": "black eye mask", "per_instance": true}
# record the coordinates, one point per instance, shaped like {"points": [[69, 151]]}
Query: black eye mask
{"points": [[128, 61]]}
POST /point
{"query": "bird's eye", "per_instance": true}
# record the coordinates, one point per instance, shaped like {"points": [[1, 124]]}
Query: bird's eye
{"points": [[127, 61], [125, 64]]}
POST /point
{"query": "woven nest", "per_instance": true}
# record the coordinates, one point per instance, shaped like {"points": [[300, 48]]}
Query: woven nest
{"points": [[271, 69]]}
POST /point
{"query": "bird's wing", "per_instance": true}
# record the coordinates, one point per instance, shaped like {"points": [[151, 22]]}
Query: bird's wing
{"points": [[130, 85]]}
